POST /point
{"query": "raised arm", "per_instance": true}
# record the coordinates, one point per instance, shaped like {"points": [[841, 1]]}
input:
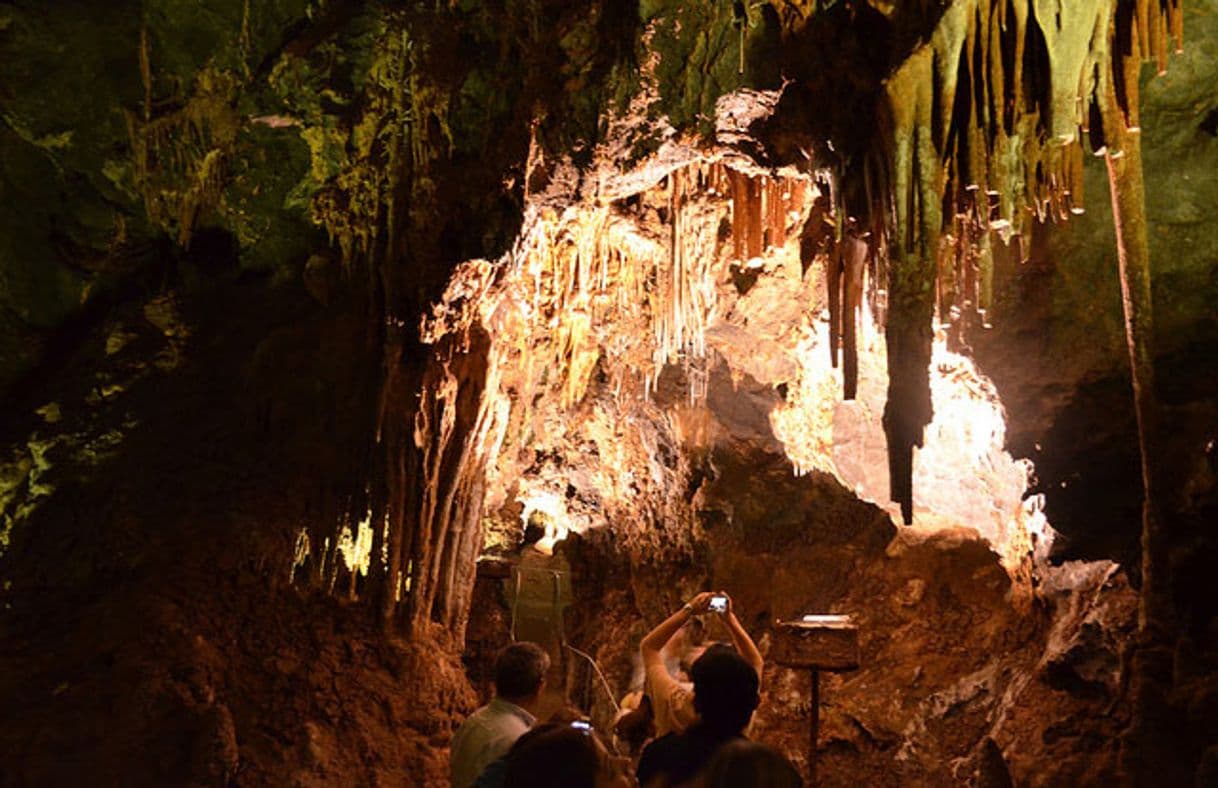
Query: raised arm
{"points": [[656, 639], [744, 644]]}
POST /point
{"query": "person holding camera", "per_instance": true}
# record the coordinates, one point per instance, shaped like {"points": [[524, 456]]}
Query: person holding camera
{"points": [[672, 701], [726, 691]]}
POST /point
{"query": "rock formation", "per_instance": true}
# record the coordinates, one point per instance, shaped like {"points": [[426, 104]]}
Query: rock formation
{"points": [[324, 323]]}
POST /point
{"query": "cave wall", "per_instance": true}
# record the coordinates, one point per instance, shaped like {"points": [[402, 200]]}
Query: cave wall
{"points": [[278, 123], [252, 166], [75, 224], [152, 632]]}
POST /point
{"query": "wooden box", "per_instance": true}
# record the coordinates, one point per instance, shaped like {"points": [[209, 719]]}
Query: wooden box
{"points": [[817, 642]]}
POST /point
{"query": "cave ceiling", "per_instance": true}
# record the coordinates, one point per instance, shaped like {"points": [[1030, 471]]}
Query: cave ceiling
{"points": [[927, 161]]}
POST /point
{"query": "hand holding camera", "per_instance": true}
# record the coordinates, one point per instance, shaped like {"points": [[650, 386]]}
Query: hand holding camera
{"points": [[710, 602]]}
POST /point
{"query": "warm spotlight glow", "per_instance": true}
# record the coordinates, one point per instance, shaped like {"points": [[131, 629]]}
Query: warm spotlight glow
{"points": [[702, 267], [548, 510], [356, 549], [963, 475]]}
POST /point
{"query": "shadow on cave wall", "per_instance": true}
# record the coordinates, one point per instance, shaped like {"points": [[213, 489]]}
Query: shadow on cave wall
{"points": [[151, 636]]}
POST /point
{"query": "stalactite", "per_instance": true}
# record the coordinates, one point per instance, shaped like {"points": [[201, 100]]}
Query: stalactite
{"points": [[591, 266], [776, 213], [854, 269], [792, 205], [833, 286], [740, 225], [332, 555], [434, 516], [363, 208], [465, 503], [374, 586], [433, 428], [181, 159], [1070, 31], [985, 121], [1150, 661], [399, 532], [756, 232], [950, 272], [916, 198], [676, 273], [439, 426], [1150, 665]]}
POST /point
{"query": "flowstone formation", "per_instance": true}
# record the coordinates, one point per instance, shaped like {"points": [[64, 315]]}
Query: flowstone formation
{"points": [[306, 307]]}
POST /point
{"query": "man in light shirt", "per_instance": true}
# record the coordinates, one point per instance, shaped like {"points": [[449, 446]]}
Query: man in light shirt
{"points": [[520, 678]]}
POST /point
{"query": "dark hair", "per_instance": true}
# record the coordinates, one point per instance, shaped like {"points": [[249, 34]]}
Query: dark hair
{"points": [[553, 755], [725, 689], [519, 670], [745, 764]]}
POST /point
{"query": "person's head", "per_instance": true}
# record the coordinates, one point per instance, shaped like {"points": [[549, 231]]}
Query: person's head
{"points": [[696, 647], [560, 755], [520, 672], [746, 764], [725, 689]]}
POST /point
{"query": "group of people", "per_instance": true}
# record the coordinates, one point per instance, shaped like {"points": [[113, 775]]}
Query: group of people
{"points": [[691, 727]]}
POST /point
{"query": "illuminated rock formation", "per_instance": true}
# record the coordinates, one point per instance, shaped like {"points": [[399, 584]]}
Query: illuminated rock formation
{"points": [[318, 320]]}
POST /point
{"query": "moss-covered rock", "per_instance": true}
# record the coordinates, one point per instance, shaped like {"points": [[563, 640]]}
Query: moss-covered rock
{"points": [[708, 49], [121, 123]]}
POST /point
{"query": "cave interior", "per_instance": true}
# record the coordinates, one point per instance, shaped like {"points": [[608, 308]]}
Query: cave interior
{"points": [[343, 342]]}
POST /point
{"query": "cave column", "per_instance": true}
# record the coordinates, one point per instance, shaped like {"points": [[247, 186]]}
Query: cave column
{"points": [[1150, 659], [1133, 260]]}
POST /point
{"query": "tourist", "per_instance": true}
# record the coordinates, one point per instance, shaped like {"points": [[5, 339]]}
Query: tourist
{"points": [[520, 677], [635, 723], [745, 764], [492, 776], [672, 700], [563, 755], [726, 687]]}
